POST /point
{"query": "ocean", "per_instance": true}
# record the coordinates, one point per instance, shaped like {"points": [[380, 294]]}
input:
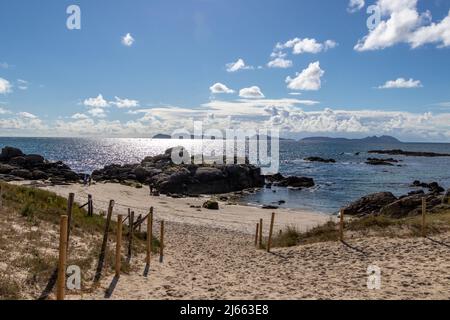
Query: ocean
{"points": [[336, 184]]}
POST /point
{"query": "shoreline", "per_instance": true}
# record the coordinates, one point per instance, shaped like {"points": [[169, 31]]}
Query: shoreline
{"points": [[232, 217]]}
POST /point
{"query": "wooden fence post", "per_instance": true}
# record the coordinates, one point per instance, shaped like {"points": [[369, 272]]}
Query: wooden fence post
{"points": [[256, 235], [269, 243], [161, 243], [69, 215], [130, 234], [149, 236], [140, 222], [90, 206], [119, 245], [101, 259], [260, 232], [61, 280], [1, 197], [424, 212], [341, 225]]}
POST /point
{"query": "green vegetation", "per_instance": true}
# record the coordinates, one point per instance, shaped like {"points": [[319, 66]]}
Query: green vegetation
{"points": [[29, 237], [436, 222]]}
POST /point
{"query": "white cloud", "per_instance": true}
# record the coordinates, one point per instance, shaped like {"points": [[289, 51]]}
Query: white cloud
{"points": [[404, 24], [401, 83], [5, 86], [4, 111], [79, 116], [308, 79], [125, 103], [220, 88], [128, 40], [355, 5], [98, 102], [97, 112], [280, 63], [27, 115], [295, 93], [23, 84], [238, 65], [306, 45], [251, 93]]}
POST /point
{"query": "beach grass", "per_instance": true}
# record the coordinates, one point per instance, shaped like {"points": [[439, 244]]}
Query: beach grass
{"points": [[436, 222], [29, 237]]}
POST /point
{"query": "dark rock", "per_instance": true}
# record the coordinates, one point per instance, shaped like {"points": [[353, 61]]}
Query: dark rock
{"points": [[370, 204], [433, 187], [33, 160], [211, 205], [39, 175], [22, 173], [269, 207], [9, 152], [410, 153], [402, 207], [275, 178], [296, 182], [6, 168], [318, 159], [381, 162], [17, 161], [417, 192]]}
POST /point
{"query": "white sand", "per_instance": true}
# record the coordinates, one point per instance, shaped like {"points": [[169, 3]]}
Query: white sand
{"points": [[231, 217]]}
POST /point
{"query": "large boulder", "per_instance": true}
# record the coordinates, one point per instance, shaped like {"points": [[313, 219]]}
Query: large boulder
{"points": [[407, 206], [207, 174], [296, 182], [34, 159], [6, 168], [319, 159], [370, 204], [22, 173], [211, 205], [9, 152], [433, 187]]}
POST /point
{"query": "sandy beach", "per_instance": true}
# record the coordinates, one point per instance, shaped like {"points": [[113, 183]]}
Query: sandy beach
{"points": [[185, 210], [211, 255]]}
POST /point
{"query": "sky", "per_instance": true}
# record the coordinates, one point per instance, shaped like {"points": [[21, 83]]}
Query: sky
{"points": [[341, 68]]}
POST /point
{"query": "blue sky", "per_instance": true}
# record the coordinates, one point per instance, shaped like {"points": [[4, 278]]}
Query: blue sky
{"points": [[338, 78]]}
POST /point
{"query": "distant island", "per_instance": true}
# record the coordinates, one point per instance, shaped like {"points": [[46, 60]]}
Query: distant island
{"points": [[374, 139]]}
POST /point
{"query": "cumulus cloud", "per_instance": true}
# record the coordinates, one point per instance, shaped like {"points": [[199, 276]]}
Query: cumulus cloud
{"points": [[79, 116], [4, 111], [251, 93], [401, 83], [306, 45], [128, 40], [238, 65], [98, 102], [280, 63], [5, 86], [97, 112], [308, 79], [355, 5], [124, 103], [27, 115], [220, 88], [404, 24]]}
